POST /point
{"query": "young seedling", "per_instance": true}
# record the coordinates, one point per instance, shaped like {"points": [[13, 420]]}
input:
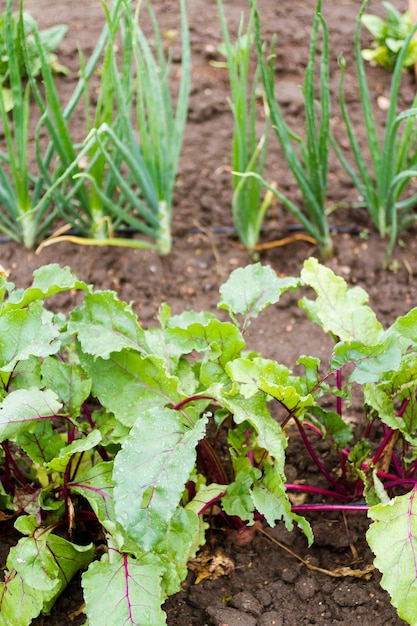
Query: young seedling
{"points": [[389, 37]]}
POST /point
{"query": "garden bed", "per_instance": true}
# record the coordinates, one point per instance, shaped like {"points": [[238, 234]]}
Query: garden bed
{"points": [[265, 585]]}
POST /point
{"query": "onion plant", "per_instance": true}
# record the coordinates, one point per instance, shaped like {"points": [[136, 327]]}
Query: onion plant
{"points": [[124, 173], [25, 215], [134, 146], [384, 183], [91, 185], [308, 157], [30, 202], [248, 149]]}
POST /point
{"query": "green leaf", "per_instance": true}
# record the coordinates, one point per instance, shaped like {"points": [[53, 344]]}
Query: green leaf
{"points": [[97, 487], [19, 602], [238, 500], [339, 310], [254, 410], [185, 534], [151, 470], [47, 561], [104, 325], [270, 499], [311, 378], [39, 568], [26, 374], [121, 589], [52, 37], [47, 281], [271, 378], [370, 361], [393, 538], [249, 290], [69, 383], [333, 427], [375, 25], [141, 382], [395, 401], [220, 343], [406, 325], [42, 443], [21, 409], [25, 333], [83, 444]]}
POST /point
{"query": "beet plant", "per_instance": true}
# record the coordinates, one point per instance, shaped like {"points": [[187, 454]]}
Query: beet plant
{"points": [[113, 437]]}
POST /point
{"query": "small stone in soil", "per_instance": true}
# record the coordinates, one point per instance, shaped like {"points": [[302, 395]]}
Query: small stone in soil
{"points": [[264, 597], [271, 618], [344, 596], [289, 575], [245, 601], [306, 588], [230, 617]]}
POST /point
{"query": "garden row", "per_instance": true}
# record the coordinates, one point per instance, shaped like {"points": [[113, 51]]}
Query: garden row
{"points": [[113, 437], [121, 178]]}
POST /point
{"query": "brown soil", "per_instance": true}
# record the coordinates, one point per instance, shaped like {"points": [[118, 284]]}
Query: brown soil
{"points": [[268, 586]]}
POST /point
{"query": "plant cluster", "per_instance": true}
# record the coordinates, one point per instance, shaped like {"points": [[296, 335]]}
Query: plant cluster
{"points": [[385, 189], [111, 181], [122, 177], [110, 437]]}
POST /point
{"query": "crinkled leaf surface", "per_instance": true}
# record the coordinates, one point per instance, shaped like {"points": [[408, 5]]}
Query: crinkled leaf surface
{"points": [[69, 383], [270, 498], [171, 345], [97, 487], [369, 361], [19, 602], [222, 336], [47, 281], [25, 333], [249, 290], [151, 470], [22, 408], [121, 589], [393, 538], [42, 443], [104, 325], [395, 392], [127, 384], [339, 310], [185, 534], [254, 410], [220, 343], [406, 325], [186, 318], [219, 339], [39, 567], [273, 379], [238, 500], [83, 444]]}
